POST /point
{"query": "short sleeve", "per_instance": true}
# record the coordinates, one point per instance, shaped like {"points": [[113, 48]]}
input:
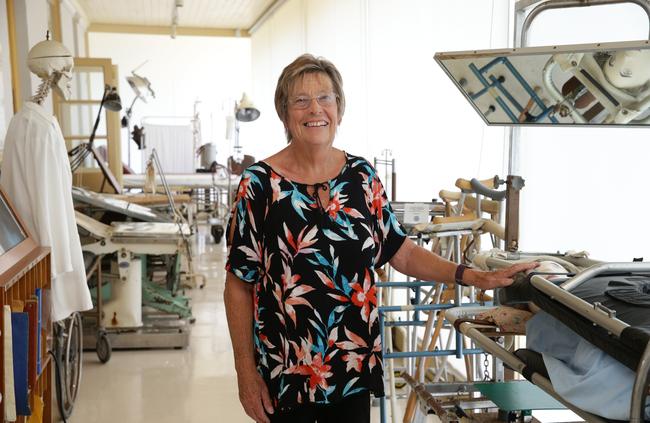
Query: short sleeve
{"points": [[245, 228], [390, 233]]}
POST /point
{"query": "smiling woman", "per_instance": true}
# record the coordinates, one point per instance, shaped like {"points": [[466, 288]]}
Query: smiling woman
{"points": [[309, 227]]}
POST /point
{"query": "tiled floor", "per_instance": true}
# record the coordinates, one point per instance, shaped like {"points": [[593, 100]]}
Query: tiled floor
{"points": [[197, 384]]}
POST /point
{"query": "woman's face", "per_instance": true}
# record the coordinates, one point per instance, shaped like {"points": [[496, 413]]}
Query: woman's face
{"points": [[312, 111]]}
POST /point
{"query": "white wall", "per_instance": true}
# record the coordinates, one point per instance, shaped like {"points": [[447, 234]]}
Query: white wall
{"points": [[214, 70], [586, 188], [73, 28], [32, 19], [32, 23], [68, 24], [397, 97]]}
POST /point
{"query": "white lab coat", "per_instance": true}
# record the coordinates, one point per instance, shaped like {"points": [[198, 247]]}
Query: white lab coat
{"points": [[37, 179]]}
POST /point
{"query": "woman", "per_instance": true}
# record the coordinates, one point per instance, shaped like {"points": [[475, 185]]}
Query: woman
{"points": [[309, 225]]}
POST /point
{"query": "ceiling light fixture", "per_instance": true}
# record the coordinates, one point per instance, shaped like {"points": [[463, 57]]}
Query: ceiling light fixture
{"points": [[174, 26]]}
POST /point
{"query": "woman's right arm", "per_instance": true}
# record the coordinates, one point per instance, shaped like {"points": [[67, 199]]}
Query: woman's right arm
{"points": [[253, 393]]}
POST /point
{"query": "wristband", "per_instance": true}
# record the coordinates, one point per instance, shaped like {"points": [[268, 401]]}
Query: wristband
{"points": [[460, 270]]}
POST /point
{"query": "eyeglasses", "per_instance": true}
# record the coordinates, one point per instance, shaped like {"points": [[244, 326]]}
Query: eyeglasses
{"points": [[303, 101]]}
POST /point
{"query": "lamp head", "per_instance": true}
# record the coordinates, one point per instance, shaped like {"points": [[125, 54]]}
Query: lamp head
{"points": [[245, 111], [51, 58], [140, 86], [112, 100]]}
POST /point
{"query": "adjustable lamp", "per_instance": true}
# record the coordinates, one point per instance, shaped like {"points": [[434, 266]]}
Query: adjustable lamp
{"points": [[143, 91], [112, 102], [245, 111]]}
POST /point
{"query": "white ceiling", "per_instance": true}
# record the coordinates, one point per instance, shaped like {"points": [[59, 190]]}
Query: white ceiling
{"points": [[221, 14]]}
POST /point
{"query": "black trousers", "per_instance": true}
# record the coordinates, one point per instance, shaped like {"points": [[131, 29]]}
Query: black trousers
{"points": [[355, 409]]}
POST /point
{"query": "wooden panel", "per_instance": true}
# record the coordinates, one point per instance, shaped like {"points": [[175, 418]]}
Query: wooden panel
{"points": [[13, 55]]}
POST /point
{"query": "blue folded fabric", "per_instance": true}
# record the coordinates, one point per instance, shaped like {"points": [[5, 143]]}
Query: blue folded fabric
{"points": [[581, 373]]}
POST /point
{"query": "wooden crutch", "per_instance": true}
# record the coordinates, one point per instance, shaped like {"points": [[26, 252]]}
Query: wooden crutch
{"points": [[422, 363]]}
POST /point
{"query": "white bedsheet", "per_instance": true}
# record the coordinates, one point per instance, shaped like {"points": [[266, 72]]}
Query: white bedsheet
{"points": [[174, 144]]}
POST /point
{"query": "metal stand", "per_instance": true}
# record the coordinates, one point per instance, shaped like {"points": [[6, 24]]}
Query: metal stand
{"points": [[389, 164]]}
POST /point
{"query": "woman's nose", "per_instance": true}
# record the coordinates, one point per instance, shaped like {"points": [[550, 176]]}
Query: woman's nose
{"points": [[314, 105]]}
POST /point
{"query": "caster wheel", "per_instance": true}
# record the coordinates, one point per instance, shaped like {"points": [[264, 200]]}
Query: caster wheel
{"points": [[103, 347], [217, 233]]}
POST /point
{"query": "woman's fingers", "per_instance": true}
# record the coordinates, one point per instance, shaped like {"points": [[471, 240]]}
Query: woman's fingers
{"points": [[257, 412], [504, 277], [266, 399], [520, 267], [254, 397]]}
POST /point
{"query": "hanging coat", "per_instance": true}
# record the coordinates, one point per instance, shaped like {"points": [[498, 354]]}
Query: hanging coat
{"points": [[37, 179]]}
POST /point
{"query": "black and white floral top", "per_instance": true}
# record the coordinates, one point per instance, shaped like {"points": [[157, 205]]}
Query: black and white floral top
{"points": [[316, 329]]}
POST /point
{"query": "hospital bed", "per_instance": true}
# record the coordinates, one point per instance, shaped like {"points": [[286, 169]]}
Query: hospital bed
{"points": [[107, 204], [184, 180], [122, 316], [211, 194], [108, 209], [580, 302]]}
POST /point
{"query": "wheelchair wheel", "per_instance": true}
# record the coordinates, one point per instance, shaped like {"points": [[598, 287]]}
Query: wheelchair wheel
{"points": [[70, 357], [103, 347]]}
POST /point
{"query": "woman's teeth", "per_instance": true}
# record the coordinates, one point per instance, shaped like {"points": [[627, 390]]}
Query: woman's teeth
{"points": [[319, 123]]}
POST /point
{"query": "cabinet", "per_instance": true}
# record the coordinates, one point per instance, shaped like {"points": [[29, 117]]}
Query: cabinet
{"points": [[24, 268]]}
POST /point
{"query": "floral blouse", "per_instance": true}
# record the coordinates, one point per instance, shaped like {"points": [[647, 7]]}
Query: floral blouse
{"points": [[316, 330]]}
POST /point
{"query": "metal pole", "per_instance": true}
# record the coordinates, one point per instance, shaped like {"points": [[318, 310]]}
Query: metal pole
{"points": [[128, 130], [637, 406], [458, 297], [565, 4], [521, 40]]}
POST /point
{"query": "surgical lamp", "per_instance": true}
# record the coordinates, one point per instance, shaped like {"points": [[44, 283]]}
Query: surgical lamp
{"points": [[245, 111], [142, 89], [112, 102]]}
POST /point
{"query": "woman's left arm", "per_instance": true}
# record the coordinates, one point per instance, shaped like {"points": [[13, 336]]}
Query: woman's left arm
{"points": [[422, 264]]}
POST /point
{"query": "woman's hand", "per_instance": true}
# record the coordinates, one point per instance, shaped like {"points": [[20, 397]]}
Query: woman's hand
{"points": [[496, 279], [254, 395]]}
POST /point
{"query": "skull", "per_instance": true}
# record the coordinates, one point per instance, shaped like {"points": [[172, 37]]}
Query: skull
{"points": [[51, 59]]}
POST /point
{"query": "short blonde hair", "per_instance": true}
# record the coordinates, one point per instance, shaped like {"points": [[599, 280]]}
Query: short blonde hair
{"points": [[305, 64]]}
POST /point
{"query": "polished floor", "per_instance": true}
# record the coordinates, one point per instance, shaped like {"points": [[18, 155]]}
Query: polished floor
{"points": [[197, 384]]}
